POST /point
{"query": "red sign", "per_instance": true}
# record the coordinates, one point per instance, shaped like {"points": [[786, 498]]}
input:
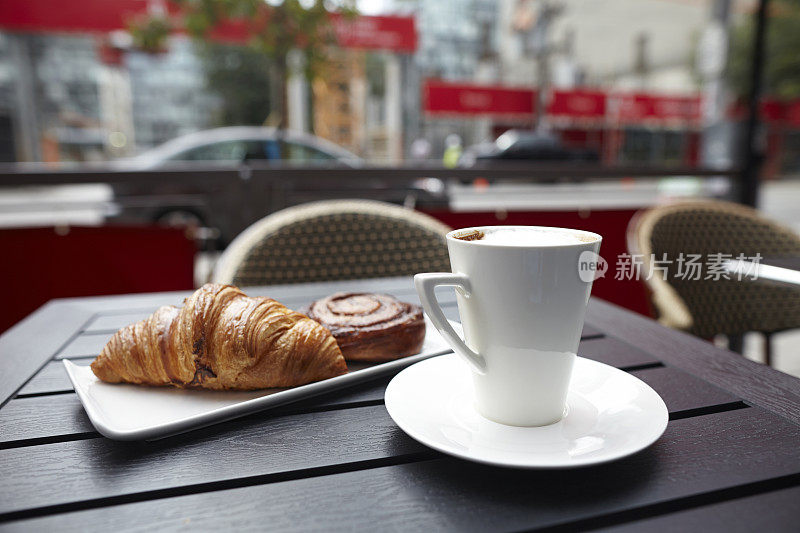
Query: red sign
{"points": [[443, 98], [637, 107], [56, 15], [770, 110], [577, 104], [793, 113], [398, 34]]}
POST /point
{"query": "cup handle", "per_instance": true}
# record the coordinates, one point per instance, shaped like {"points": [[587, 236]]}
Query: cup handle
{"points": [[425, 284]]}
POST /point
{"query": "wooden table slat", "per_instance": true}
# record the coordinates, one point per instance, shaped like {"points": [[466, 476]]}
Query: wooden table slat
{"points": [[90, 343], [772, 512], [29, 344], [755, 383], [696, 456], [62, 415], [614, 352], [110, 323], [84, 345], [60, 473], [52, 378], [590, 332]]}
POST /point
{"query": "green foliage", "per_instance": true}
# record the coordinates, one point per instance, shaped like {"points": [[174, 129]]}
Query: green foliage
{"points": [[150, 33], [274, 29], [782, 66], [240, 77]]}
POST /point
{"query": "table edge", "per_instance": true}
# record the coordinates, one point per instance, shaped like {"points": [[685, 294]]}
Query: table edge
{"points": [[728, 370], [24, 350]]}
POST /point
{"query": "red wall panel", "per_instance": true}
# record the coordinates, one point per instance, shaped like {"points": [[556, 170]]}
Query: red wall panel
{"points": [[40, 264]]}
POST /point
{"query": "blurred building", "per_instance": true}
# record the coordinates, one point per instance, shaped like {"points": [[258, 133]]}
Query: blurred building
{"points": [[638, 81], [564, 53], [458, 41], [617, 76], [168, 93], [339, 101], [71, 98], [53, 96], [73, 90], [8, 144], [615, 44]]}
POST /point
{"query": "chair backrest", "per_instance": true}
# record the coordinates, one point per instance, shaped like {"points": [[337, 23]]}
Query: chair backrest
{"points": [[335, 240], [710, 306]]}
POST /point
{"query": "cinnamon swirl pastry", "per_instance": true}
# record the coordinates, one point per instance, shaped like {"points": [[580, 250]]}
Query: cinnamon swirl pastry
{"points": [[371, 327]]}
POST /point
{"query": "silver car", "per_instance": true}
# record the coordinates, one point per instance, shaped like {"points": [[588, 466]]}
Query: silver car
{"points": [[189, 199], [237, 144]]}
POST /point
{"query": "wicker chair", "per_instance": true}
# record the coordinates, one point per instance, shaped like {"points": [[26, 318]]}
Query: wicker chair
{"points": [[334, 240], [710, 307]]}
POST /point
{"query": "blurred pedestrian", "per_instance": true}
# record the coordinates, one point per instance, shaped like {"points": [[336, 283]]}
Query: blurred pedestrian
{"points": [[420, 150], [452, 150]]}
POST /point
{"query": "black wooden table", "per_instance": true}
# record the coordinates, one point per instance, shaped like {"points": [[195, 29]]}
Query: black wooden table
{"points": [[787, 272], [729, 460]]}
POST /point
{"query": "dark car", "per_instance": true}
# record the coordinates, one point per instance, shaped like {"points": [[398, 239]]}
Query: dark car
{"points": [[515, 145]]}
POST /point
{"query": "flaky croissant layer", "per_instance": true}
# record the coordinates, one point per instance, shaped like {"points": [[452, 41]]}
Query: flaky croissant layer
{"points": [[221, 339]]}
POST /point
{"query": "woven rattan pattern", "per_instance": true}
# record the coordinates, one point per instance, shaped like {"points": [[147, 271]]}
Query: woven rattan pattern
{"points": [[726, 306], [343, 246]]}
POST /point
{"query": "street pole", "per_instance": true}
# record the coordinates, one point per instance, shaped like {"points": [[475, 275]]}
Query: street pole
{"points": [[26, 122], [712, 55], [543, 76], [534, 32], [753, 153]]}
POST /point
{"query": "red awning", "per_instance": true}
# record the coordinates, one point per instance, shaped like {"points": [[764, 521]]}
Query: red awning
{"points": [[770, 110], [43, 16], [643, 108], [577, 104], [398, 34], [793, 114], [466, 100]]}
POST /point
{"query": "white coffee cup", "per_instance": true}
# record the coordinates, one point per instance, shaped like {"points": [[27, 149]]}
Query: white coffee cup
{"points": [[522, 303]]}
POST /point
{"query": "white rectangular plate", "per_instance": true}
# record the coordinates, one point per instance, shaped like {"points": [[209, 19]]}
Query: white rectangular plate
{"points": [[134, 412]]}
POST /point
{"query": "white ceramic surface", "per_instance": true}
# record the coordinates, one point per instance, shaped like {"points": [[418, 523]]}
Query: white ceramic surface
{"points": [[132, 412], [610, 414], [522, 308]]}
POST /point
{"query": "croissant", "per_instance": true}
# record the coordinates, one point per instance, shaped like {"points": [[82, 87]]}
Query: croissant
{"points": [[221, 339]]}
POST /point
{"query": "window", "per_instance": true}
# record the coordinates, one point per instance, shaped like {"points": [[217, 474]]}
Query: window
{"points": [[234, 151], [301, 153]]}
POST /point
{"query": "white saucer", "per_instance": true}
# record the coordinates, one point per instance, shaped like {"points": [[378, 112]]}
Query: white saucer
{"points": [[610, 414]]}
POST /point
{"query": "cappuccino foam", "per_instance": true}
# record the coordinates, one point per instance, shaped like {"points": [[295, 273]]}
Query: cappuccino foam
{"points": [[532, 237]]}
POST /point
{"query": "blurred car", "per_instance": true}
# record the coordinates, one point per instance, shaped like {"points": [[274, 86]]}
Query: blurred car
{"points": [[238, 144], [517, 145], [190, 194]]}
